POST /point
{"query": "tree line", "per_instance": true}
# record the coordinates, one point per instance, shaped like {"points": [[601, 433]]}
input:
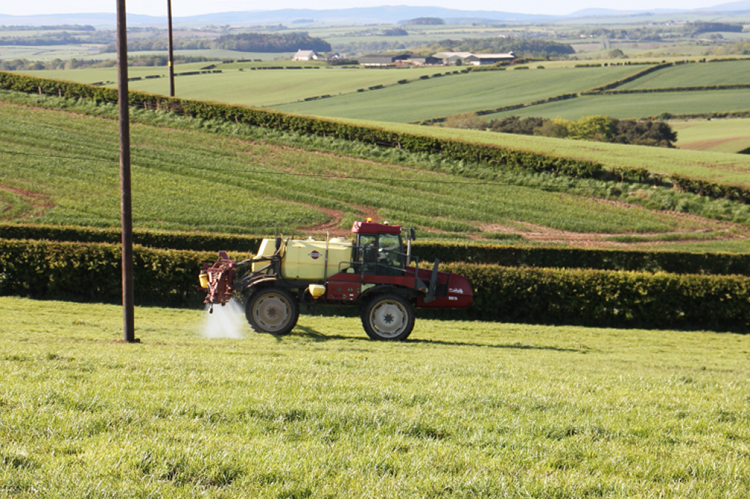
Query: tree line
{"points": [[245, 42], [597, 128], [522, 47]]}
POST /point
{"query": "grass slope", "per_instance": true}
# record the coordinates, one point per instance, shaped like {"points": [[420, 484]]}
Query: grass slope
{"points": [[65, 168], [462, 409], [710, 165]]}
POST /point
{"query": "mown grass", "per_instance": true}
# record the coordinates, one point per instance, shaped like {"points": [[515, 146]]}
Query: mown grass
{"points": [[462, 409], [185, 179], [444, 96]]}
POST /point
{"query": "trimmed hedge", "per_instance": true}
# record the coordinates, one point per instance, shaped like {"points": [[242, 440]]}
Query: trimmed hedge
{"points": [[154, 239], [91, 272], [510, 256], [580, 258], [602, 298], [503, 157]]}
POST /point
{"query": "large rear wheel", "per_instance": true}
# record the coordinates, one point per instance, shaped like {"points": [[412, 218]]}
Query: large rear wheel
{"points": [[272, 310], [388, 318]]}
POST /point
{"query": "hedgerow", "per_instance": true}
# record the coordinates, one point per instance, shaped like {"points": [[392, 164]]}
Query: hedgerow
{"points": [[91, 272], [679, 262], [151, 238], [606, 298]]}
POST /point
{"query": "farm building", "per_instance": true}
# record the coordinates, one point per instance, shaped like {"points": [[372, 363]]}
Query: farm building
{"points": [[424, 61], [450, 58], [382, 60], [305, 55], [484, 59]]}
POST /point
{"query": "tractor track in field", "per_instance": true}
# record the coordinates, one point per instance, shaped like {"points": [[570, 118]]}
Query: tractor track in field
{"points": [[39, 202], [332, 225]]}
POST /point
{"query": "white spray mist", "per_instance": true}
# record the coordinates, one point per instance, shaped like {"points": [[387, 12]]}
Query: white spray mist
{"points": [[227, 321]]}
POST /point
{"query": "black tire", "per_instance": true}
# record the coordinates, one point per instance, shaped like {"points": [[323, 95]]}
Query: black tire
{"points": [[388, 318], [272, 310]]}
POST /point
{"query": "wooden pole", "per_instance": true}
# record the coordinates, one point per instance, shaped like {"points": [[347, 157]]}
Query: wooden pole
{"points": [[170, 62], [125, 203]]}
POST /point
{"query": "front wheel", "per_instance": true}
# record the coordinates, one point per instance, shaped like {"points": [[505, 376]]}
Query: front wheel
{"points": [[388, 318], [272, 310]]}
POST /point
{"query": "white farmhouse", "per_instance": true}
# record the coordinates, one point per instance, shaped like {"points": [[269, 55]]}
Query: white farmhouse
{"points": [[305, 55]]}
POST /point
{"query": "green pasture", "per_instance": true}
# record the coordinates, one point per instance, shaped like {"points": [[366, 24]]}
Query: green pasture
{"points": [[63, 169], [462, 409], [694, 75], [249, 87], [709, 165], [727, 135], [625, 106], [447, 95]]}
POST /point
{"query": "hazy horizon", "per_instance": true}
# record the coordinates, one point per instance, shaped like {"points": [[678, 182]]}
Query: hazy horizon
{"points": [[185, 8]]}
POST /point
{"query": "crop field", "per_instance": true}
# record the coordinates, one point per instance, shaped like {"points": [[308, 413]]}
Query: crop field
{"points": [[694, 75], [732, 135], [62, 168], [438, 97], [462, 409]]}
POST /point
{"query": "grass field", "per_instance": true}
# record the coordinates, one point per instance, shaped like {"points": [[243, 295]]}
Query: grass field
{"points": [[460, 93], [255, 88], [62, 168], [639, 105], [462, 409], [713, 135], [694, 75], [50, 52]]}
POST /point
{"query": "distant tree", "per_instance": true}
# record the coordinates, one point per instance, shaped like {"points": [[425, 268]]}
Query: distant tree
{"points": [[395, 32], [466, 121], [557, 128], [425, 20], [598, 128], [616, 54]]}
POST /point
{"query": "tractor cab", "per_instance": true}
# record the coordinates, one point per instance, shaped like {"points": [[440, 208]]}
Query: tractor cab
{"points": [[379, 249]]}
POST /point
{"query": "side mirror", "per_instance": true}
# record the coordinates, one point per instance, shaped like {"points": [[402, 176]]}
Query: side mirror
{"points": [[412, 234]]}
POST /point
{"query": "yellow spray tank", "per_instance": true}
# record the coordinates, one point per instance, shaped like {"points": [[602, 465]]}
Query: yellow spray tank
{"points": [[305, 259]]}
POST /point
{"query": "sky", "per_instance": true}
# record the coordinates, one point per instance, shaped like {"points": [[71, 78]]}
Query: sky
{"points": [[193, 7]]}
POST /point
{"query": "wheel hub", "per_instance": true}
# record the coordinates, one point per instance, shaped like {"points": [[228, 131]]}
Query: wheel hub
{"points": [[272, 312], [388, 318]]}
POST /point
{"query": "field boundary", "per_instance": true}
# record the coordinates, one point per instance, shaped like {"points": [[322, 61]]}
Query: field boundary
{"points": [[88, 271], [678, 262]]}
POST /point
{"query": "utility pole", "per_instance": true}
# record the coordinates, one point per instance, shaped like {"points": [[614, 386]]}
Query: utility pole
{"points": [[125, 203], [170, 62]]}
